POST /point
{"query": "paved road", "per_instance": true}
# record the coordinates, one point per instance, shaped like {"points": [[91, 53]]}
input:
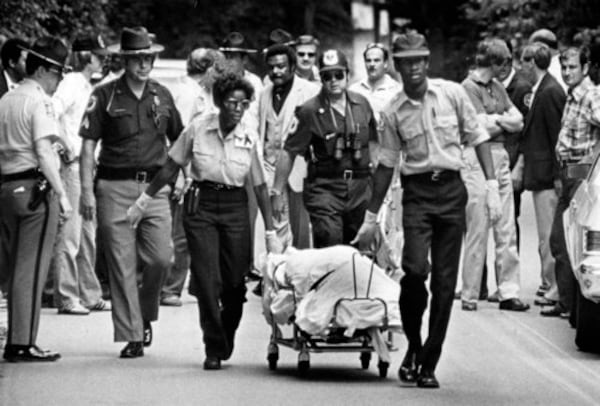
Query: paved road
{"points": [[491, 358]]}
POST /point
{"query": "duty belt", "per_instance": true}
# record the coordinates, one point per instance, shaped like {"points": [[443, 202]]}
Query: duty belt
{"points": [[347, 174], [28, 174], [440, 176], [141, 175], [216, 186]]}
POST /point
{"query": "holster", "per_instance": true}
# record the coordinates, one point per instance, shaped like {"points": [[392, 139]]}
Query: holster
{"points": [[191, 199], [39, 193]]}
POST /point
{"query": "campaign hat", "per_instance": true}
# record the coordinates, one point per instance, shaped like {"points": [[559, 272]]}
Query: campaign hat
{"points": [[51, 50], [90, 42], [235, 42], [135, 41], [410, 44]]}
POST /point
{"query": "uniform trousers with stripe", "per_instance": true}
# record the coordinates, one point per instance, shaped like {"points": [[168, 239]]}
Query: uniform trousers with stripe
{"points": [[218, 236], [30, 236], [134, 302]]}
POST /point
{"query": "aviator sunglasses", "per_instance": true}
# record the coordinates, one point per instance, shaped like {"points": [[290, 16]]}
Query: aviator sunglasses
{"points": [[328, 76]]}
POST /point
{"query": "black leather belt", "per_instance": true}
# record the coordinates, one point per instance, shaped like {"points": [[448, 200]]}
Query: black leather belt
{"points": [[347, 174], [432, 177], [216, 186], [28, 174], [141, 175]]}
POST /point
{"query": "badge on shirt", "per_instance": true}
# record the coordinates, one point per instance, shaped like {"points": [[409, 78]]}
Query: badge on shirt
{"points": [[49, 109], [243, 142]]}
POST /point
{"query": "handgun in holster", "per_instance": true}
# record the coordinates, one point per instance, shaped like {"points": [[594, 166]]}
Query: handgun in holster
{"points": [[192, 199], [39, 193]]}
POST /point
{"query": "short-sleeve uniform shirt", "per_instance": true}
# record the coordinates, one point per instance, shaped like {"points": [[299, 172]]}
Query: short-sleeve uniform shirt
{"points": [[217, 157], [26, 115], [429, 133], [133, 131]]}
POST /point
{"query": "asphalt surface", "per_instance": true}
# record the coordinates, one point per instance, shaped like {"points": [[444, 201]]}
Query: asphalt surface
{"points": [[491, 357]]}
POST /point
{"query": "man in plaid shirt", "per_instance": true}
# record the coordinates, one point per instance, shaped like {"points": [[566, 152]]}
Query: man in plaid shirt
{"points": [[579, 134]]}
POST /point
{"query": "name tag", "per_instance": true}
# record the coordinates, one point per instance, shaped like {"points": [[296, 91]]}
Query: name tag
{"points": [[245, 143]]}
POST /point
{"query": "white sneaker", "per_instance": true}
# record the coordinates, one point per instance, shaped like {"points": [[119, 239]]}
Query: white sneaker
{"points": [[75, 309]]}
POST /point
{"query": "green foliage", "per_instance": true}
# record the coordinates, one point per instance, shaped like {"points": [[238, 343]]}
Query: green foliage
{"points": [[65, 18]]}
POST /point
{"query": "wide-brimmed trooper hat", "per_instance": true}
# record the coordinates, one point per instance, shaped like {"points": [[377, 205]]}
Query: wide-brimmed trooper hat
{"points": [[411, 44], [56, 55], [235, 42], [91, 43], [135, 41]]}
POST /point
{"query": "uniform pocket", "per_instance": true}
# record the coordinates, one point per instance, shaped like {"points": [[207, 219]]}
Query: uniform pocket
{"points": [[123, 122], [416, 145], [446, 128]]}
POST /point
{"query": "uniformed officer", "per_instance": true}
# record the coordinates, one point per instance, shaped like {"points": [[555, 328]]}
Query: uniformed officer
{"points": [[333, 133], [223, 152], [133, 116], [31, 194], [428, 121]]}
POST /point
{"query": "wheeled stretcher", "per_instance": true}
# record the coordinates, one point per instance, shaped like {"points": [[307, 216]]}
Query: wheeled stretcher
{"points": [[330, 300]]}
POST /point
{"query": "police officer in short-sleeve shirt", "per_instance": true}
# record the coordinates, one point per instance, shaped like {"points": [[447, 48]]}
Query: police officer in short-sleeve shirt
{"points": [[334, 131], [133, 116], [427, 123]]}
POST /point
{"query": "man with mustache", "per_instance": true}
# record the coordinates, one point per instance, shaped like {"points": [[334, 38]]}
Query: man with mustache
{"points": [[278, 102]]}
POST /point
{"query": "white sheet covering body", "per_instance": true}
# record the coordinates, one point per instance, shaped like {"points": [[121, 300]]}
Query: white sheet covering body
{"points": [[290, 276]]}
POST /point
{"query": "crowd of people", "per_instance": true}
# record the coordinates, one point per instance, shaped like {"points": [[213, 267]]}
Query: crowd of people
{"points": [[116, 178]]}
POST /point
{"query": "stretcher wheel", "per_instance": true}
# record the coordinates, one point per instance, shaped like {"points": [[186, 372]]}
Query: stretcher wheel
{"points": [[303, 366], [273, 358], [365, 359], [383, 368]]}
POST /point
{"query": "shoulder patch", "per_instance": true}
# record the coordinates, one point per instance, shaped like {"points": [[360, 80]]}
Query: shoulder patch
{"points": [[91, 104]]}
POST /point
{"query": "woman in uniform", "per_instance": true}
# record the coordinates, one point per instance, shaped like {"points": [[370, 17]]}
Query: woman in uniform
{"points": [[222, 153]]}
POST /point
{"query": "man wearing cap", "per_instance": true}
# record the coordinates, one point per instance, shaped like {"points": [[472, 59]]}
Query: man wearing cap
{"points": [[32, 194], [236, 51], [335, 133], [278, 102], [307, 48], [133, 116], [76, 286], [427, 122]]}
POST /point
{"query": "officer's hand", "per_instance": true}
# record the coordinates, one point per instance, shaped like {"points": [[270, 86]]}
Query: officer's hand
{"points": [[273, 243], [87, 205], [66, 210], [366, 232], [492, 200], [136, 211], [277, 206]]}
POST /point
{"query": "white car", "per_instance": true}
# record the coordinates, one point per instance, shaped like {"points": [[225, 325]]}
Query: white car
{"points": [[582, 233]]}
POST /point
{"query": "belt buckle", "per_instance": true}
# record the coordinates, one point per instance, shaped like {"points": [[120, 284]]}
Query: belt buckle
{"points": [[141, 177], [435, 175], [348, 174]]}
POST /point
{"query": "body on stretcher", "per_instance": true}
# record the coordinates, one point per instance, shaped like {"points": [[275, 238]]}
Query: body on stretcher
{"points": [[334, 300]]}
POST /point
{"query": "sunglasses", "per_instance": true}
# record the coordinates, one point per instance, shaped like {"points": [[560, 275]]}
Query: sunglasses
{"points": [[377, 45], [329, 76], [234, 104], [306, 54]]}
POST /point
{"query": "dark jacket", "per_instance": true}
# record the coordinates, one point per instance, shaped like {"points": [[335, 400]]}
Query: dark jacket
{"points": [[518, 88], [540, 134]]}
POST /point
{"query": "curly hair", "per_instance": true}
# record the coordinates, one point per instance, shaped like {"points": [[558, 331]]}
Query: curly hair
{"points": [[227, 83]]}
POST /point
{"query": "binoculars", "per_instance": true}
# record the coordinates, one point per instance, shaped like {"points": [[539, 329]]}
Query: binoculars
{"points": [[347, 142]]}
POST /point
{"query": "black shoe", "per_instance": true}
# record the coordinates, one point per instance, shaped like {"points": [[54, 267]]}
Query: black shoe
{"points": [[30, 353], [513, 304], [427, 379], [147, 334], [555, 311], [133, 349], [408, 368], [212, 363], [542, 301]]}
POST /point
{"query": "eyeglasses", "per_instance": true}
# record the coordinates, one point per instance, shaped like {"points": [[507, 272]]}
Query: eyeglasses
{"points": [[329, 76], [235, 104], [306, 54]]}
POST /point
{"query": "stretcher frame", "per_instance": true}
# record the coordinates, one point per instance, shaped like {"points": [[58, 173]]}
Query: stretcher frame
{"points": [[334, 341]]}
